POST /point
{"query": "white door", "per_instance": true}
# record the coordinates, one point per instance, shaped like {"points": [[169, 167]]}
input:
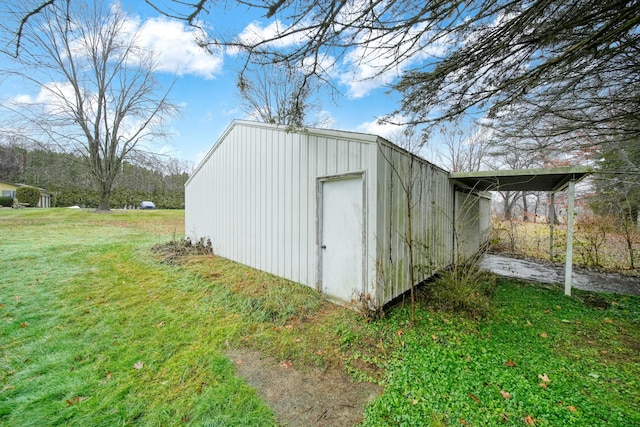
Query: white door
{"points": [[342, 237]]}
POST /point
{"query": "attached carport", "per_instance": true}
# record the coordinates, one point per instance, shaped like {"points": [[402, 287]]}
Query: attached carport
{"points": [[551, 180]]}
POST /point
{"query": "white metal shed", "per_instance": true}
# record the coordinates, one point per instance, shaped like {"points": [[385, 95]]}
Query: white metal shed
{"points": [[328, 209]]}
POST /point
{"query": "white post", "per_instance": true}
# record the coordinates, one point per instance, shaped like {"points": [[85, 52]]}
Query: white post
{"points": [[568, 267], [552, 223]]}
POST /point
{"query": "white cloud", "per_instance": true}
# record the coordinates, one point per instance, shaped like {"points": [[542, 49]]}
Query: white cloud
{"points": [[387, 130], [271, 35], [176, 48], [325, 120], [366, 67], [52, 96], [174, 45]]}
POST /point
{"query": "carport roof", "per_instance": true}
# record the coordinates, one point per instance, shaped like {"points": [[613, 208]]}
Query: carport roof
{"points": [[546, 179]]}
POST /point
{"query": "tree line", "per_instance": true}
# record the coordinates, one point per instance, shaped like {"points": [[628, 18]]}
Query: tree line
{"points": [[62, 175]]}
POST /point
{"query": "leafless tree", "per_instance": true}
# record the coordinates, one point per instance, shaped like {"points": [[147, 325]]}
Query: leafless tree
{"points": [[552, 67], [12, 159], [547, 67], [466, 149], [98, 97], [274, 93]]}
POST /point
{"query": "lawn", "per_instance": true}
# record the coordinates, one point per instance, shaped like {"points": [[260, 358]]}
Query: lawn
{"points": [[97, 328]]}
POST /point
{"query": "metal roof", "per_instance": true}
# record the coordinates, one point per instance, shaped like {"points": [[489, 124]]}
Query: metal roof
{"points": [[545, 179]]}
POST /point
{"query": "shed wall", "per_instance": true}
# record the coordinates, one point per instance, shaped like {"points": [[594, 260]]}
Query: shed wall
{"points": [[432, 212], [255, 196], [473, 223]]}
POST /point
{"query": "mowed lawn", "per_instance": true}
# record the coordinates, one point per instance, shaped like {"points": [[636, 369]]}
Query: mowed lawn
{"points": [[97, 330]]}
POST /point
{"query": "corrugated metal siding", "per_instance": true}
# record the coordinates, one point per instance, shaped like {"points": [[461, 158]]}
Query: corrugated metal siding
{"points": [[254, 195], [432, 220], [473, 223]]}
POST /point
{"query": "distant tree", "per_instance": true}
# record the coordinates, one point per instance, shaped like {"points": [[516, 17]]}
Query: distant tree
{"points": [[617, 190], [466, 149], [277, 94], [618, 179], [12, 162], [515, 153], [552, 67], [547, 67], [98, 97]]}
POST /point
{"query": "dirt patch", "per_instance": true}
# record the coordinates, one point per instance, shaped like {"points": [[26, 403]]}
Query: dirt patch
{"points": [[304, 397]]}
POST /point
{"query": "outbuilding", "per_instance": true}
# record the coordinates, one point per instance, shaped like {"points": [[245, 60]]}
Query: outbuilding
{"points": [[331, 210]]}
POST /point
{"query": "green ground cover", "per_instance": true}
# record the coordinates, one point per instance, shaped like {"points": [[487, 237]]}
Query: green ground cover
{"points": [[95, 329]]}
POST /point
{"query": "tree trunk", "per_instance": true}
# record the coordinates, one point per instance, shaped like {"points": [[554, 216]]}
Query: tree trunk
{"points": [[105, 187], [525, 207], [507, 207]]}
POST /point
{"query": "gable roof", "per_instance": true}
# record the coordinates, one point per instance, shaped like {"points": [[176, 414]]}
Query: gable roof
{"points": [[356, 136]]}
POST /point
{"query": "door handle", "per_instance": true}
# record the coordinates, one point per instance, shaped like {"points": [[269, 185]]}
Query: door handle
{"points": [[324, 246]]}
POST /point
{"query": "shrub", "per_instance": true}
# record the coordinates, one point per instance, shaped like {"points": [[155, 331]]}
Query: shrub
{"points": [[30, 195], [463, 288], [7, 202]]}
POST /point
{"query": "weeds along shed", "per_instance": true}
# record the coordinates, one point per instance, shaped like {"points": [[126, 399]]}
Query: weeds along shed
{"points": [[328, 209]]}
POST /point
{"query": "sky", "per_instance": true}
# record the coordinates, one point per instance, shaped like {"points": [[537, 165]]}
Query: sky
{"points": [[204, 83]]}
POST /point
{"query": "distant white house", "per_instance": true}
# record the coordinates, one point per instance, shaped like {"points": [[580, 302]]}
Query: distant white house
{"points": [[328, 209]]}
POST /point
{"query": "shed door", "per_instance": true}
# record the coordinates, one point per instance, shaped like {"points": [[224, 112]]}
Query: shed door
{"points": [[342, 237]]}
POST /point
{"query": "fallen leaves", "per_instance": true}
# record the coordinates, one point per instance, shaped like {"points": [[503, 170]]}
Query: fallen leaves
{"points": [[24, 324], [138, 365], [286, 364], [529, 420], [75, 400], [545, 380], [544, 335], [510, 363], [505, 394], [473, 396]]}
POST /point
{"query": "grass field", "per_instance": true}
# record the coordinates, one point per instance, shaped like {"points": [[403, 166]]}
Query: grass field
{"points": [[96, 330]]}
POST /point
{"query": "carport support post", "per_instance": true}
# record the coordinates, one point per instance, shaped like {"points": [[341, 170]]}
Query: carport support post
{"points": [[568, 267], [552, 223]]}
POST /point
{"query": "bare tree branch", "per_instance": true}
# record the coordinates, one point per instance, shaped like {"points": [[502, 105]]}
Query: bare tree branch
{"points": [[98, 97]]}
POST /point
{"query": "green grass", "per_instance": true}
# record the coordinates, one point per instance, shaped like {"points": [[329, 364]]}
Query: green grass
{"points": [[96, 330], [83, 305], [452, 371]]}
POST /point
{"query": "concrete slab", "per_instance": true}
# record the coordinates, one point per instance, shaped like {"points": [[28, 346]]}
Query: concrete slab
{"points": [[585, 280]]}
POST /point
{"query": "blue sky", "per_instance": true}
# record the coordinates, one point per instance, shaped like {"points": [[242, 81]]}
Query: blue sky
{"points": [[204, 83]]}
